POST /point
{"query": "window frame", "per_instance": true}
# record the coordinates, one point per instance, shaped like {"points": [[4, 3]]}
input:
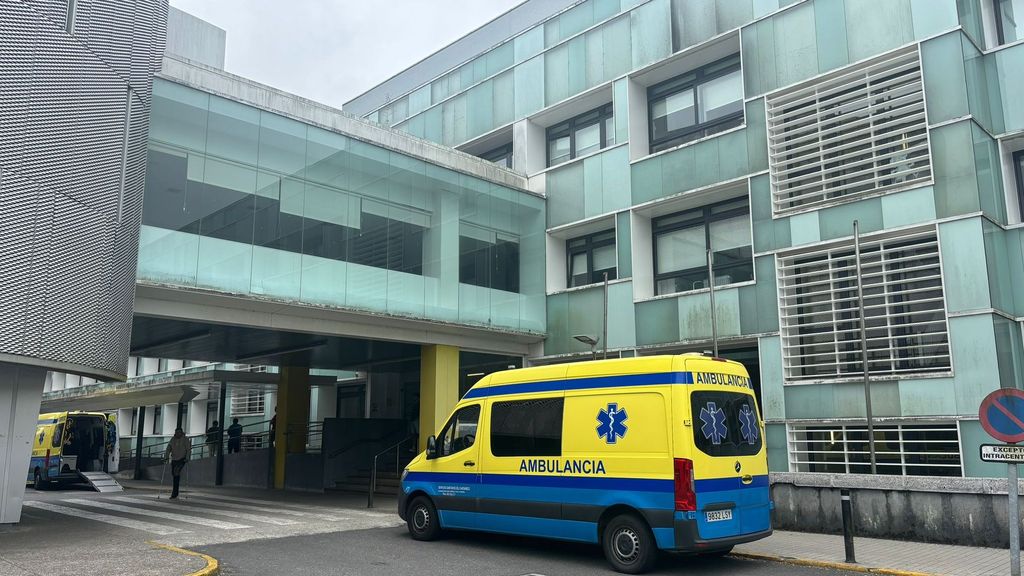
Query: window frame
{"points": [[1017, 158], [439, 439], [571, 126], [702, 216], [588, 248], [503, 152], [997, 9], [662, 90]]}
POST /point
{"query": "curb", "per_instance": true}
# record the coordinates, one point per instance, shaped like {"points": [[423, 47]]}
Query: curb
{"points": [[212, 566], [830, 564]]}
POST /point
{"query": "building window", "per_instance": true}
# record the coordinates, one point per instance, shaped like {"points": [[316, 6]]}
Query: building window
{"points": [[696, 104], [581, 135], [527, 427], [906, 449], [682, 241], [158, 420], [248, 403], [488, 259], [460, 432], [1009, 20], [904, 309], [1018, 168], [590, 257], [501, 156], [860, 130]]}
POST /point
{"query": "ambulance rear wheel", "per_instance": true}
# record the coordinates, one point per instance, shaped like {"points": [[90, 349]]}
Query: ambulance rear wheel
{"points": [[628, 545], [422, 520]]}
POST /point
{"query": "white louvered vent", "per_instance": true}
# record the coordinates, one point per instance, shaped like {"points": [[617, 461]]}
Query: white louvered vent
{"points": [[860, 130], [905, 310], [928, 448]]}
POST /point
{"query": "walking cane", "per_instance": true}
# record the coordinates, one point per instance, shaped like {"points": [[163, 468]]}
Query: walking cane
{"points": [[163, 472]]}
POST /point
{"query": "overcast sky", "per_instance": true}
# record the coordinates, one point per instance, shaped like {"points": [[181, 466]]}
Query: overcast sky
{"points": [[333, 50]]}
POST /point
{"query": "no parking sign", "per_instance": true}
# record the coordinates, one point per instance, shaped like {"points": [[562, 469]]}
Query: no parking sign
{"points": [[1002, 416]]}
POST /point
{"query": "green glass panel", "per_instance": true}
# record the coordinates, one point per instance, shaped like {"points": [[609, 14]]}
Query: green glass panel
{"points": [[1015, 255], [645, 180], [556, 74], [479, 109], [732, 155], [837, 221], [321, 279], [529, 81], [604, 9], [620, 101], [989, 175], [500, 58], [594, 65], [651, 33], [168, 256], [282, 145], [528, 44], [998, 264], [830, 27], [849, 399], [705, 155], [762, 7], [877, 26], [565, 192], [971, 19], [419, 100], [233, 131], [179, 115], [621, 320], [504, 99], [623, 244], [972, 342], [657, 322], [767, 295], [775, 442], [617, 42], [908, 208], [558, 338], [1009, 63], [693, 21], [757, 136], [942, 66], [615, 179], [453, 120], [552, 34], [224, 265], [796, 55], [932, 17], [982, 93], [276, 272], [432, 129], [804, 228], [927, 397], [962, 244], [733, 13], [582, 318], [576, 19], [678, 173], [1009, 351], [956, 184], [593, 186], [971, 436], [748, 309], [577, 58], [809, 401], [758, 47]]}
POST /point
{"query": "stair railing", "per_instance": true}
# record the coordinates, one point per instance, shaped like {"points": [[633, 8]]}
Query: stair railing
{"points": [[373, 471]]}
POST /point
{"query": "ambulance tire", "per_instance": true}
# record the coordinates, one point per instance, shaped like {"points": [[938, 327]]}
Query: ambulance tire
{"points": [[422, 520], [629, 545]]}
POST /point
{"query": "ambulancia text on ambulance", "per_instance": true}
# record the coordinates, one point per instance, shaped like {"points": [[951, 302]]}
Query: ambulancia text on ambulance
{"points": [[637, 454]]}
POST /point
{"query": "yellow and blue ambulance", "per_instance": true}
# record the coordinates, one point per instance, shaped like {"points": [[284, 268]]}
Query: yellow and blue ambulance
{"points": [[66, 444], [636, 454]]}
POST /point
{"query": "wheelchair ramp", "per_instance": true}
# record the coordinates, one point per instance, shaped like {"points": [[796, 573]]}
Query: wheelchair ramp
{"points": [[101, 481]]}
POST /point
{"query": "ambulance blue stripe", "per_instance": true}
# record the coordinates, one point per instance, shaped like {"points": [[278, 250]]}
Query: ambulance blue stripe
{"points": [[583, 384], [719, 484], [574, 482]]}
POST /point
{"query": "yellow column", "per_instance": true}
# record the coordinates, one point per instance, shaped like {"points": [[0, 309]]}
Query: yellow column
{"points": [[292, 418], [439, 388]]}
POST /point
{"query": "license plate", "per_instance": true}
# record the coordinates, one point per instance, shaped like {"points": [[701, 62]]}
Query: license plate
{"points": [[718, 515]]}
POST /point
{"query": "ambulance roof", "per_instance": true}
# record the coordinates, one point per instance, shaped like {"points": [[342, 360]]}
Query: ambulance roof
{"points": [[690, 362]]}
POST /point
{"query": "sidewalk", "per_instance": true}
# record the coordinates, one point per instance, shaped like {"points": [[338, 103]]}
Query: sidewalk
{"points": [[881, 556]]}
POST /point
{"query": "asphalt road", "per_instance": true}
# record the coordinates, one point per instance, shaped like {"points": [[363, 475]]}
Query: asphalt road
{"points": [[390, 551]]}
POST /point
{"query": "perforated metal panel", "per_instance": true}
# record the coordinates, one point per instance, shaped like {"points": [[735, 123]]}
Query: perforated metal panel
{"points": [[74, 114]]}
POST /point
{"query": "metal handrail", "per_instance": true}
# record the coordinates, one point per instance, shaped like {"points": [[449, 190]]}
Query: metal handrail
{"points": [[373, 471], [147, 451]]}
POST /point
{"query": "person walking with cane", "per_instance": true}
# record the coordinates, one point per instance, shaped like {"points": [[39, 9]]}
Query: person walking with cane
{"points": [[178, 451]]}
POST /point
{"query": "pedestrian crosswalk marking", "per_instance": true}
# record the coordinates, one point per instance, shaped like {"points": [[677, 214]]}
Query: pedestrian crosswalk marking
{"points": [[238, 503], [233, 513], [201, 501], [306, 508], [99, 517], [166, 515]]}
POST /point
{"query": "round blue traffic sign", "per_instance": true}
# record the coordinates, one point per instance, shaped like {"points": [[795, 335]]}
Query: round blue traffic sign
{"points": [[1002, 415]]}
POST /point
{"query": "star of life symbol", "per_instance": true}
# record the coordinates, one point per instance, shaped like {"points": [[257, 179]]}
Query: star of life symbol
{"points": [[42, 434], [612, 423], [714, 423], [748, 424]]}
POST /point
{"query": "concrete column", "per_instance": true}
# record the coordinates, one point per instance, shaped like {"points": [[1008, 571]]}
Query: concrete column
{"points": [[169, 419], [439, 388], [21, 389], [196, 417], [140, 432], [326, 402], [292, 418]]}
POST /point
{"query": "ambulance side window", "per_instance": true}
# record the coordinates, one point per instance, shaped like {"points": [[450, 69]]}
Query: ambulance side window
{"points": [[527, 427], [58, 433], [460, 432]]}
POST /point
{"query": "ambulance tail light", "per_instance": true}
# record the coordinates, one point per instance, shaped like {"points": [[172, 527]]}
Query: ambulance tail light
{"points": [[686, 496]]}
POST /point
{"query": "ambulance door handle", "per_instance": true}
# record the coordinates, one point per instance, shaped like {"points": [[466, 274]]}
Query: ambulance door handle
{"points": [[469, 463]]}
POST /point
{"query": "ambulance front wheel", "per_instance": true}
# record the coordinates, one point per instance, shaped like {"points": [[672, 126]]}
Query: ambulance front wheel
{"points": [[628, 545], [422, 520]]}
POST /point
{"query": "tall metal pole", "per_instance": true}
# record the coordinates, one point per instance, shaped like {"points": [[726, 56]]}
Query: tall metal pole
{"points": [[140, 424], [1013, 519], [864, 346], [604, 329], [711, 291], [222, 406]]}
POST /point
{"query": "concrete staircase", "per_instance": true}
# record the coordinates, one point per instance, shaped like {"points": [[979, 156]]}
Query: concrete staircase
{"points": [[359, 482]]}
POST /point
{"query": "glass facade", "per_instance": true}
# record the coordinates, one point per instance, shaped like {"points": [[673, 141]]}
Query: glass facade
{"points": [[245, 201]]}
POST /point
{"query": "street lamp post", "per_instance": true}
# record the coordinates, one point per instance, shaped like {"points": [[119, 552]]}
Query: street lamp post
{"points": [[589, 341]]}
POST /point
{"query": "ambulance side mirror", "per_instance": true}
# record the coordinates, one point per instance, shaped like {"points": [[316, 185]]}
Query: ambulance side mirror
{"points": [[431, 448]]}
